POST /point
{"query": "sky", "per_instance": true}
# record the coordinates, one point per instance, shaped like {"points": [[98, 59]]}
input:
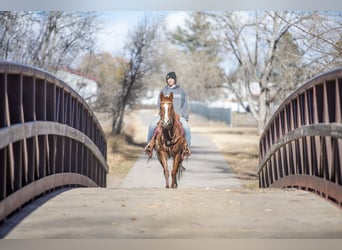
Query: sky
{"points": [[117, 23], [120, 15], [174, 5]]}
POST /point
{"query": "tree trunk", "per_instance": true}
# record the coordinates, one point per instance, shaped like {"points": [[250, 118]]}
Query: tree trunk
{"points": [[118, 120], [263, 111]]}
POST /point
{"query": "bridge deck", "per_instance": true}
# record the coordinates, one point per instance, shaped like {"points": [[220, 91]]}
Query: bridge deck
{"points": [[183, 213]]}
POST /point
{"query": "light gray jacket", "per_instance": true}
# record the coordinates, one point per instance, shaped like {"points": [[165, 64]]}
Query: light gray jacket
{"points": [[180, 100]]}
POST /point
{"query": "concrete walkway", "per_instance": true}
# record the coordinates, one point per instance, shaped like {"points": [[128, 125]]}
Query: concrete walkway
{"points": [[205, 168]]}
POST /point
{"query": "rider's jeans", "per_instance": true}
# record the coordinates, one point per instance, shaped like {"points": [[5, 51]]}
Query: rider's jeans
{"points": [[184, 123]]}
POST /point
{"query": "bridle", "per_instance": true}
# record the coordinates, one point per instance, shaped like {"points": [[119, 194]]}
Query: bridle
{"points": [[166, 119]]}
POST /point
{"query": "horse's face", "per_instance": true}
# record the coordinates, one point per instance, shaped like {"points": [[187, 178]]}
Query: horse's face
{"points": [[166, 110]]}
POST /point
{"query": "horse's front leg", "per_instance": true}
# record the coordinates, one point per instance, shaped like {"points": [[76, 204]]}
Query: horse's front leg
{"points": [[175, 167], [163, 162]]}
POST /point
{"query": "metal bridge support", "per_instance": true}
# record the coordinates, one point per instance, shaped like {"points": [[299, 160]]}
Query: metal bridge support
{"points": [[301, 146], [49, 137]]}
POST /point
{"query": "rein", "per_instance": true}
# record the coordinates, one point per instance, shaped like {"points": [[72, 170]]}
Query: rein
{"points": [[170, 131]]}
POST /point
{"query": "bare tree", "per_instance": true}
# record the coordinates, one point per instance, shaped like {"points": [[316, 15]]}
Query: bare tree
{"points": [[14, 31], [62, 37], [46, 39], [274, 51], [107, 70], [139, 52], [319, 37]]}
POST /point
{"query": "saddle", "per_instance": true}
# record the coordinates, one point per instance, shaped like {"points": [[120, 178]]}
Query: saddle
{"points": [[169, 143]]}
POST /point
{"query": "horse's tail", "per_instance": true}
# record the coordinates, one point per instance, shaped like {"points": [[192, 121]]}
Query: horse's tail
{"points": [[180, 171]]}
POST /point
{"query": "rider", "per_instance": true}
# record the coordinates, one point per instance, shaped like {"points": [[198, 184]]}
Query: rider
{"points": [[180, 104]]}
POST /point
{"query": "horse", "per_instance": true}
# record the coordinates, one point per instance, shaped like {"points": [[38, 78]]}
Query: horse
{"points": [[169, 140]]}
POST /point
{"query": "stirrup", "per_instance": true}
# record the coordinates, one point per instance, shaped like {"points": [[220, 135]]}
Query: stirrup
{"points": [[148, 149], [187, 150]]}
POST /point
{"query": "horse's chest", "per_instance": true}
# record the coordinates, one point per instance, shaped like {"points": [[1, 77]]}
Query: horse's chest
{"points": [[165, 144]]}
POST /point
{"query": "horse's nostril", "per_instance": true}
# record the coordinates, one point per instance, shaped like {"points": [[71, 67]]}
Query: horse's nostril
{"points": [[165, 123]]}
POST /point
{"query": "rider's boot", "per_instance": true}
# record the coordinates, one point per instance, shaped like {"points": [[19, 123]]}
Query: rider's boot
{"points": [[148, 148], [187, 151]]}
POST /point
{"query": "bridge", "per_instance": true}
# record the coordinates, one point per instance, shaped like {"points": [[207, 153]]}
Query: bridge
{"points": [[301, 146], [51, 144], [49, 137]]}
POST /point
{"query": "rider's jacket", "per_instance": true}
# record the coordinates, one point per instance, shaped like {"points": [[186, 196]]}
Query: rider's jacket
{"points": [[180, 100]]}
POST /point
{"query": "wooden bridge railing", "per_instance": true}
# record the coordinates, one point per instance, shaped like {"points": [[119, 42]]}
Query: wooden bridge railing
{"points": [[49, 137], [301, 146]]}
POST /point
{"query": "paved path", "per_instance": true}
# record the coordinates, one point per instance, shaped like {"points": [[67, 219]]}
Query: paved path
{"points": [[205, 168]]}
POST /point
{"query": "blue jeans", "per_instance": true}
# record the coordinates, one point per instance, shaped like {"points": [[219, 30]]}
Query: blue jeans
{"points": [[184, 123]]}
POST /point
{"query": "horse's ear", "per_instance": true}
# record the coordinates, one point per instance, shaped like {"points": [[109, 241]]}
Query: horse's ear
{"points": [[161, 95], [171, 96]]}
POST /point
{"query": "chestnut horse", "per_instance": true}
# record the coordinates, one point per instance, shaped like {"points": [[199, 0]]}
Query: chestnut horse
{"points": [[168, 140]]}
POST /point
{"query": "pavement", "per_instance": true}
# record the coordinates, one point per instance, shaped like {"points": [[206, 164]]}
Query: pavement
{"points": [[185, 213], [205, 168], [208, 203]]}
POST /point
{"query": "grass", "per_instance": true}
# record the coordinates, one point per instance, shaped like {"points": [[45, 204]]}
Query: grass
{"points": [[122, 150], [238, 145]]}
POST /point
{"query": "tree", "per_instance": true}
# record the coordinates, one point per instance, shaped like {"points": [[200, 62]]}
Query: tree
{"points": [[274, 50], [200, 63], [196, 35], [138, 66], [337, 51], [13, 34], [107, 70], [318, 37], [48, 40]]}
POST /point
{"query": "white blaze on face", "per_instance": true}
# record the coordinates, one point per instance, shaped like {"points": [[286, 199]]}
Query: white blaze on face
{"points": [[166, 117]]}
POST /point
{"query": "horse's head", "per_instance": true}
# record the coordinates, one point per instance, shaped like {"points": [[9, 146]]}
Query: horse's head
{"points": [[166, 110]]}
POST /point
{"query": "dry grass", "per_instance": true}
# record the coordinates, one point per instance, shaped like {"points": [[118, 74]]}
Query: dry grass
{"points": [[122, 150], [239, 145]]}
